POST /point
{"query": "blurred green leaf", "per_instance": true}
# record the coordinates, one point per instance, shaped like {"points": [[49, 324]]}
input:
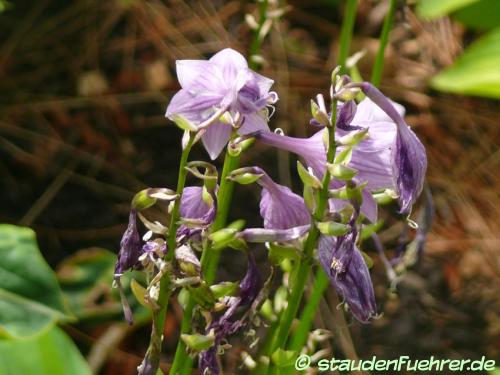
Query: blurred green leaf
{"points": [[438, 8], [86, 278], [30, 297], [52, 353], [482, 15], [476, 72]]}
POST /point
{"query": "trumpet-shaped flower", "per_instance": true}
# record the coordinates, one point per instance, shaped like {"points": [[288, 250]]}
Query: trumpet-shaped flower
{"points": [[279, 206], [224, 83], [391, 157]]}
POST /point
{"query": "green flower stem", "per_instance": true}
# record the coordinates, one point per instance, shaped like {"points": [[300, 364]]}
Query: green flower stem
{"points": [[321, 282], [209, 259], [384, 38], [305, 265], [152, 357], [346, 32]]}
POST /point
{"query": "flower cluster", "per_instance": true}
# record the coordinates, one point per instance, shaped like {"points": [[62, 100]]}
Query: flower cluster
{"points": [[359, 149]]}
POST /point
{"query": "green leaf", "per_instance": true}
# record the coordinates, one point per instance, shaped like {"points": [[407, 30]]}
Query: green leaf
{"points": [[482, 15], [438, 8], [476, 72], [51, 353], [30, 297]]}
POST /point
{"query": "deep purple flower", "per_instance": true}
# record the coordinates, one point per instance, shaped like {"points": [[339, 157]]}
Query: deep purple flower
{"points": [[227, 324], [348, 273], [222, 83], [130, 246], [279, 206], [391, 157]]}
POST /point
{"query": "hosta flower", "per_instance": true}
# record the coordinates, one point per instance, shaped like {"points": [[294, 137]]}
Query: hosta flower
{"points": [[279, 206], [391, 157], [222, 83], [227, 324], [348, 273]]}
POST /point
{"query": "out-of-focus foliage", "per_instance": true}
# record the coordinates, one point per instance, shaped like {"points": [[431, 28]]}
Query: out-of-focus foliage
{"points": [[86, 280], [477, 71], [438, 8], [481, 15], [30, 297], [51, 353]]}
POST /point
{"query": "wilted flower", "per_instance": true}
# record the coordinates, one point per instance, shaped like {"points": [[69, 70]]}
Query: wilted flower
{"points": [[130, 246], [348, 273], [227, 324], [224, 83]]}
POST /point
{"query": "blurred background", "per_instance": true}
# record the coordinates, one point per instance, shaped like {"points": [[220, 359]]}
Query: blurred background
{"points": [[85, 85]]}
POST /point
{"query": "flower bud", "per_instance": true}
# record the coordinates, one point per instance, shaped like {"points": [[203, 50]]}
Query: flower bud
{"points": [[224, 289], [341, 171], [148, 197], [307, 177], [319, 114], [353, 138], [199, 342], [331, 228], [222, 237], [244, 176]]}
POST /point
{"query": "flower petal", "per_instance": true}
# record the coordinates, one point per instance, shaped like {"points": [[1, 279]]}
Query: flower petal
{"points": [[253, 122], [199, 76], [215, 138], [192, 105]]}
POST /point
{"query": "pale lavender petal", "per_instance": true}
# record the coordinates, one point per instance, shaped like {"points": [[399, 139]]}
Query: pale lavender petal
{"points": [[253, 122], [192, 204], [273, 235], [199, 76], [348, 273], [216, 138], [229, 62], [185, 102], [367, 110]]}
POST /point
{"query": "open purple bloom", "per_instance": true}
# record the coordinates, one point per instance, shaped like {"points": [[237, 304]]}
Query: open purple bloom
{"points": [[279, 206], [130, 246], [391, 157], [222, 83], [227, 324]]}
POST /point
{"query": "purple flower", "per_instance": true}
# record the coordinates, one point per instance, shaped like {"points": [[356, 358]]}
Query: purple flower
{"points": [[195, 209], [348, 273], [227, 324], [409, 160], [222, 83], [130, 246], [391, 157], [279, 206]]}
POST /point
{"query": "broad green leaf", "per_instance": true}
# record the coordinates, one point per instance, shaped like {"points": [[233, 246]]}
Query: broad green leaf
{"points": [[30, 297], [51, 353], [476, 72], [438, 8], [481, 15]]}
